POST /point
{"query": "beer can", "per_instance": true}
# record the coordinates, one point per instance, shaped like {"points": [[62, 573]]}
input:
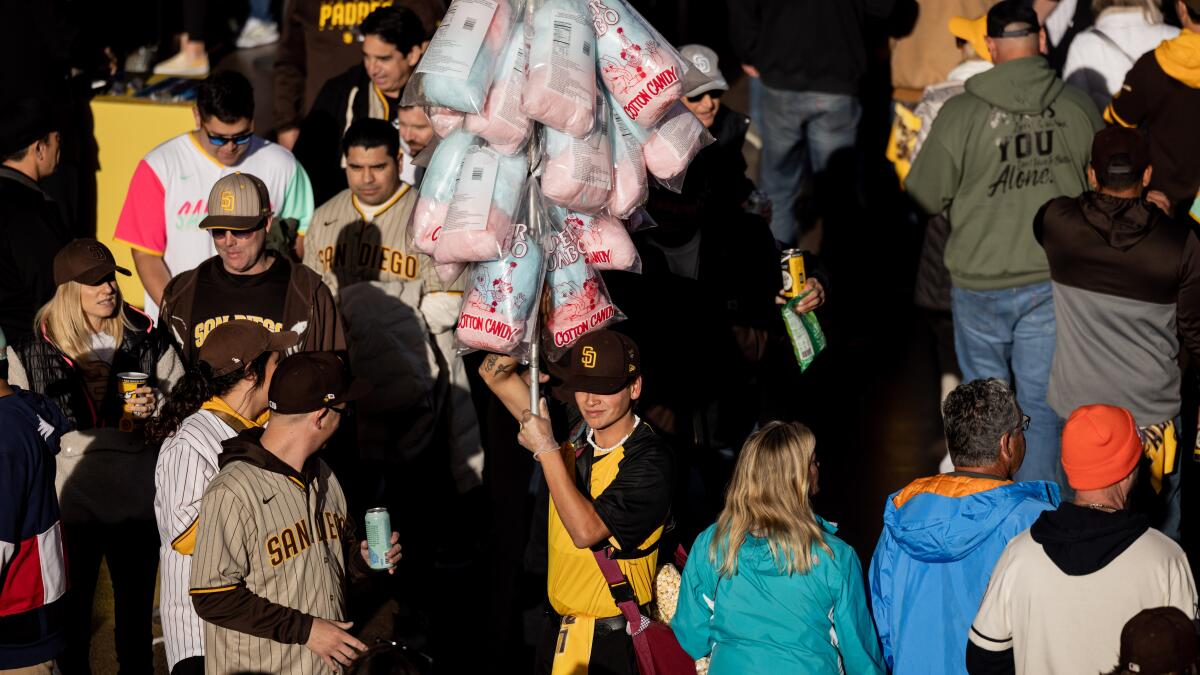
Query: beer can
{"points": [[379, 538], [792, 266], [127, 383]]}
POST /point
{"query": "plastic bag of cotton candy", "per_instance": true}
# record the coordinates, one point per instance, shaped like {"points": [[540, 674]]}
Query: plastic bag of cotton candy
{"points": [[485, 199], [499, 308], [668, 146], [502, 123], [437, 190], [577, 172], [456, 70], [578, 302], [641, 70], [630, 188], [602, 239], [444, 120], [560, 90]]}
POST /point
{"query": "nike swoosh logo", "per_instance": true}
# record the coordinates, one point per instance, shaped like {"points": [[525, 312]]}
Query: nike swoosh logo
{"points": [[268, 499]]}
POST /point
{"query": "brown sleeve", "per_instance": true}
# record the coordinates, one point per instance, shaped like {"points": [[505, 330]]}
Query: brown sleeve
{"points": [[291, 70], [240, 610], [328, 335]]}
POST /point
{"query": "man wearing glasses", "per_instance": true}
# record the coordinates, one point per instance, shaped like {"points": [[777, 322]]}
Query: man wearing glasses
{"points": [[943, 534], [167, 194], [245, 280]]}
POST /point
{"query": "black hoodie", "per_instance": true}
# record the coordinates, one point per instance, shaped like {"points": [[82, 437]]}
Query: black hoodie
{"points": [[1126, 283], [1081, 540]]}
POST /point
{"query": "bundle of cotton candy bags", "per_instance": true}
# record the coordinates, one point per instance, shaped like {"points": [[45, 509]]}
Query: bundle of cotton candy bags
{"points": [[501, 295], [444, 120], [577, 172], [579, 302], [480, 215], [456, 70], [502, 123], [437, 190], [602, 239], [674, 143], [641, 70], [561, 86]]}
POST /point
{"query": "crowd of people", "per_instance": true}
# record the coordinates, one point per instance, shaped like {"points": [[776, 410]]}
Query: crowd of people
{"points": [[294, 364]]}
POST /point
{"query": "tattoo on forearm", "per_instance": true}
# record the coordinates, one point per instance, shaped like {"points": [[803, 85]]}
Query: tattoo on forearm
{"points": [[506, 368], [490, 364]]}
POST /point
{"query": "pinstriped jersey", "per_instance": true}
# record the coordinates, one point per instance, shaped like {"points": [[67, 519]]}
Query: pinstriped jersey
{"points": [[346, 247], [186, 464], [284, 542]]}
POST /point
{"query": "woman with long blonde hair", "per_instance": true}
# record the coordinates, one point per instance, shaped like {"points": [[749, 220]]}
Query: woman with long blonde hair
{"points": [[83, 339], [768, 587]]}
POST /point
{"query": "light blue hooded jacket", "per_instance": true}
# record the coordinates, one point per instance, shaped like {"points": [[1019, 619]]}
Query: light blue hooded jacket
{"points": [[765, 621], [941, 537]]}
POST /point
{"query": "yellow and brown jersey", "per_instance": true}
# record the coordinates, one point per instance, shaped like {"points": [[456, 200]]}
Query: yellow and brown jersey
{"points": [[272, 549], [630, 488]]}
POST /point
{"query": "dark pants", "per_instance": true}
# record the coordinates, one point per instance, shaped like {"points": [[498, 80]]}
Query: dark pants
{"points": [[192, 665], [131, 549], [612, 652]]}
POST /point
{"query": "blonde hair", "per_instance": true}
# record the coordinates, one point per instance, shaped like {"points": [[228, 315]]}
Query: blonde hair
{"points": [[66, 324], [769, 497]]}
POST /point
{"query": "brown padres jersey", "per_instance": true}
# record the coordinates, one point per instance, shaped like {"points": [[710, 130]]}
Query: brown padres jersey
{"points": [[282, 540]]}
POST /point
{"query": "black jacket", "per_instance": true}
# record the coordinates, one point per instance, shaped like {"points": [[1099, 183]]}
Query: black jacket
{"points": [[31, 232], [343, 99], [61, 380], [805, 45], [718, 173]]}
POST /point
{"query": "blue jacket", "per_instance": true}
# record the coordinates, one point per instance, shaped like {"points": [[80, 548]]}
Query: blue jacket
{"points": [[941, 537], [765, 621]]}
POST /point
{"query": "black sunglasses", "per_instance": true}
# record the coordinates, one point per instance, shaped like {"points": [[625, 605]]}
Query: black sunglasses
{"points": [[218, 141], [218, 233], [715, 94], [1024, 426], [344, 412]]}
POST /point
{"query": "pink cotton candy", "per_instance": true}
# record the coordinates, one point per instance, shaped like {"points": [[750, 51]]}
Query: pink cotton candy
{"points": [[449, 272], [491, 311], [427, 219], [444, 120], [570, 114], [502, 124], [563, 187], [470, 245], [604, 242], [674, 144]]}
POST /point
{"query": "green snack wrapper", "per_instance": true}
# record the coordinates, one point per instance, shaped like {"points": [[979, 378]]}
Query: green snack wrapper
{"points": [[808, 339]]}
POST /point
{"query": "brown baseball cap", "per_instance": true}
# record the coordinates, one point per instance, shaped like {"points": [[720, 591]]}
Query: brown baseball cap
{"points": [[85, 260], [238, 201], [309, 381], [1158, 641], [236, 343], [602, 362], [1118, 152]]}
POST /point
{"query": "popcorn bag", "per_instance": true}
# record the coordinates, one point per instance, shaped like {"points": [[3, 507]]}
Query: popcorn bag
{"points": [[630, 188], [457, 68], [643, 71], [673, 145], [578, 300], [498, 309], [502, 123], [561, 85], [480, 215], [444, 120], [437, 190], [602, 239], [577, 173]]}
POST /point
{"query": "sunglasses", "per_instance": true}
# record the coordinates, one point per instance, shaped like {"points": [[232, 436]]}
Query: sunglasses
{"points": [[715, 95], [344, 412], [218, 141], [219, 233]]}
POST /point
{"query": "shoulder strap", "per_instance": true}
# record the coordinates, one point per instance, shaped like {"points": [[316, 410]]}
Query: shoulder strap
{"points": [[621, 590], [1112, 43]]}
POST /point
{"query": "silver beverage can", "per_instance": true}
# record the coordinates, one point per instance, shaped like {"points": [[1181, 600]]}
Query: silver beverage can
{"points": [[379, 538]]}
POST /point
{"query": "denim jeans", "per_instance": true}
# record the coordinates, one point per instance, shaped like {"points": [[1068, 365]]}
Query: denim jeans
{"points": [[261, 10], [1008, 334], [801, 130]]}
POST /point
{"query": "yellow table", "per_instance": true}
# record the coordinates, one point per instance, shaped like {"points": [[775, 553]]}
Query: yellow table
{"points": [[126, 129]]}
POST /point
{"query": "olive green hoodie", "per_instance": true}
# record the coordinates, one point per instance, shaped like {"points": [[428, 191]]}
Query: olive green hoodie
{"points": [[1016, 138]]}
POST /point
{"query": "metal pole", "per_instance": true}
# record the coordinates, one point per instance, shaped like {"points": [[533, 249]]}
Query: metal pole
{"points": [[534, 373], [535, 231]]}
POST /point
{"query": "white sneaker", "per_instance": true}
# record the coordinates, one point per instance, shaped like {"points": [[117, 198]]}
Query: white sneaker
{"points": [[182, 66], [257, 33]]}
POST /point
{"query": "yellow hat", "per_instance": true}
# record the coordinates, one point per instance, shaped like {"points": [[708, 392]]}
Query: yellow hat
{"points": [[973, 31]]}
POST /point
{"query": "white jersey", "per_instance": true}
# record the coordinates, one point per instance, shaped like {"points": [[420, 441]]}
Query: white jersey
{"points": [[168, 197], [186, 465]]}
